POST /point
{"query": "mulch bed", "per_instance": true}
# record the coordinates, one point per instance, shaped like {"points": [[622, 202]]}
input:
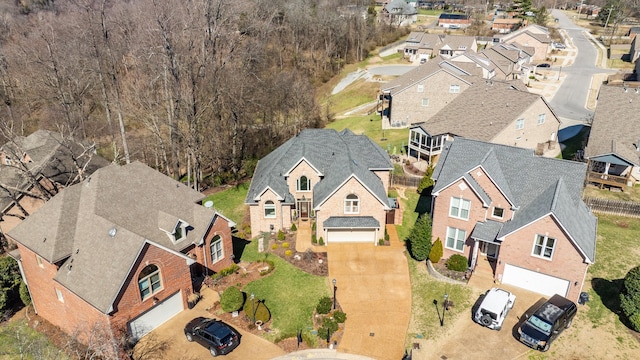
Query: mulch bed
{"points": [[441, 267], [311, 262]]}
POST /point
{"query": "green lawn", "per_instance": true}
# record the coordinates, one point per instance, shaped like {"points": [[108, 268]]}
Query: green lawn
{"points": [[230, 203], [290, 294], [575, 143], [371, 126], [19, 341]]}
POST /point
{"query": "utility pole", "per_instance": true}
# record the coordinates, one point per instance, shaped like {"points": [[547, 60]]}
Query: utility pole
{"points": [[580, 10], [607, 23]]}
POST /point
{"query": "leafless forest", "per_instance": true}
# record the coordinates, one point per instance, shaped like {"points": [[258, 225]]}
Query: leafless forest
{"points": [[196, 88]]}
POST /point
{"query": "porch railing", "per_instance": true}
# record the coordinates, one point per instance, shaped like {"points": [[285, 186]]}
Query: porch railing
{"points": [[606, 179]]}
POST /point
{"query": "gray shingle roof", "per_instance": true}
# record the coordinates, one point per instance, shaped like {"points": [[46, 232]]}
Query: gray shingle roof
{"points": [[495, 105], [486, 231], [352, 222], [74, 227], [422, 72], [536, 186], [50, 155], [338, 156], [616, 125]]}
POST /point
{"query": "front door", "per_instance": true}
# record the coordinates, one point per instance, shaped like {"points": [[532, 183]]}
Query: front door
{"points": [[489, 249], [304, 209]]}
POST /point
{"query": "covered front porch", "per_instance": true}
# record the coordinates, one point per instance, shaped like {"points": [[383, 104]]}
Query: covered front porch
{"points": [[486, 249]]}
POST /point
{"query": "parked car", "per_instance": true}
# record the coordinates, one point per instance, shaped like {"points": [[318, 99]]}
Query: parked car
{"points": [[494, 308], [558, 45], [213, 334], [539, 330], [544, 65]]}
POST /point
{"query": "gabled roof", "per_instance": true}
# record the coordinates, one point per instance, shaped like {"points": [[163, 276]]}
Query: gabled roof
{"points": [[99, 227], [496, 104], [339, 156], [45, 153], [423, 72], [476, 58], [537, 186], [399, 7], [540, 33], [616, 124], [445, 16]]}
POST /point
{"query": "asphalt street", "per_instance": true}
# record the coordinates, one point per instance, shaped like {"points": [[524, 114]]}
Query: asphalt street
{"points": [[571, 99]]}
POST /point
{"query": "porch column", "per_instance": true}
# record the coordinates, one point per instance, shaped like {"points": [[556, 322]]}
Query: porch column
{"points": [[606, 168], [474, 254]]}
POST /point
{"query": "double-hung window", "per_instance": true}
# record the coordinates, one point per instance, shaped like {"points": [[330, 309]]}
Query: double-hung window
{"points": [[454, 88], [269, 209], [541, 118], [455, 239], [460, 208], [543, 247], [304, 183], [519, 124], [216, 249], [351, 204], [149, 281]]}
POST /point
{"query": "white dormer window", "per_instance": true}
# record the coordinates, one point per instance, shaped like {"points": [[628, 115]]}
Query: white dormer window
{"points": [[180, 231], [420, 88]]}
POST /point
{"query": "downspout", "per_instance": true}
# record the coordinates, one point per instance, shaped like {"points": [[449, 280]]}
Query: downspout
{"points": [[204, 255], [24, 278]]}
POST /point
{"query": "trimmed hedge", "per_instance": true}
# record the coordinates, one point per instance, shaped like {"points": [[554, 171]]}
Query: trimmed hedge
{"points": [[457, 262], [324, 305], [231, 299]]}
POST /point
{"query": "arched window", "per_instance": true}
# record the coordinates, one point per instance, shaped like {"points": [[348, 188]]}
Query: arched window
{"points": [[216, 249], [304, 183], [269, 209], [149, 281], [351, 204]]}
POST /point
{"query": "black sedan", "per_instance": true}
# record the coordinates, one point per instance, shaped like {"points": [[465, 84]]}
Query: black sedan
{"points": [[213, 334]]}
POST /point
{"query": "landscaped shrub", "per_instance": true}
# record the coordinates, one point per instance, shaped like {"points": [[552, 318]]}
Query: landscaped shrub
{"points": [[262, 313], [313, 226], [630, 297], [457, 262], [324, 305], [380, 241], [231, 299], [288, 253], [274, 246], [420, 238], [271, 266], [225, 272], [436, 251], [321, 241], [426, 181], [386, 235], [24, 294], [329, 326], [280, 235], [340, 316], [294, 227], [285, 245], [314, 240]]}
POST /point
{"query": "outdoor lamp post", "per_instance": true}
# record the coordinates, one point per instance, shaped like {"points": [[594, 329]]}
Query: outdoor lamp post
{"points": [[253, 308], [444, 308], [335, 288]]}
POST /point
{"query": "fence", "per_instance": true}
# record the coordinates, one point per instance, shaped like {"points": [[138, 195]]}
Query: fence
{"points": [[614, 207], [407, 181]]}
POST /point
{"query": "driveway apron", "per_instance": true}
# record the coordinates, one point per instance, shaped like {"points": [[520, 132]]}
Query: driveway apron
{"points": [[374, 291]]}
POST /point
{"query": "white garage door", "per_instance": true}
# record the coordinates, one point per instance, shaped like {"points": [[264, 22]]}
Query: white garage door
{"points": [[352, 235], [156, 316], [534, 281]]}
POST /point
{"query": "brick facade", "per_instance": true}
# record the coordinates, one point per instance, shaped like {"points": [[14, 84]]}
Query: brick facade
{"points": [[541, 49]]}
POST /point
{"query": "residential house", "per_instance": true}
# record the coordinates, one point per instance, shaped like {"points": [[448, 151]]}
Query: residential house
{"points": [[613, 149], [532, 36], [454, 21], [423, 91], [634, 50], [504, 26], [633, 31], [492, 111], [514, 214], [36, 167], [510, 60], [424, 46], [398, 13], [120, 252], [480, 61], [338, 180]]}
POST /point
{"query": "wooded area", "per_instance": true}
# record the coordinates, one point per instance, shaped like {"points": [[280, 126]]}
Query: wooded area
{"points": [[191, 88]]}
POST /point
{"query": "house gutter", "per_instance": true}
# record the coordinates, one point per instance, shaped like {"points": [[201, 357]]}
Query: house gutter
{"points": [[18, 259]]}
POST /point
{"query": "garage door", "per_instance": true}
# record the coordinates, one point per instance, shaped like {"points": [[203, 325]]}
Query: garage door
{"points": [[156, 316], [534, 281], [352, 235]]}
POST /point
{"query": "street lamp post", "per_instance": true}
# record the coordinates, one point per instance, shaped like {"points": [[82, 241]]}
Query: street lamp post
{"points": [[253, 308], [335, 288], [444, 308]]}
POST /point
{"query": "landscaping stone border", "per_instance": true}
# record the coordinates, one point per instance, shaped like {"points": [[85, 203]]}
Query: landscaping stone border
{"points": [[433, 272]]}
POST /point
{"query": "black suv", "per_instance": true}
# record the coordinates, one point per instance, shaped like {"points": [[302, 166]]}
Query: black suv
{"points": [[539, 330], [212, 334]]}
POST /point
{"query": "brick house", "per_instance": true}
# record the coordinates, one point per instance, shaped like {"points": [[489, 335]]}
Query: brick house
{"points": [[43, 162], [504, 26], [613, 150], [119, 252], [454, 21], [509, 60], [423, 46], [533, 36], [398, 13], [420, 93], [337, 179], [504, 113], [521, 213]]}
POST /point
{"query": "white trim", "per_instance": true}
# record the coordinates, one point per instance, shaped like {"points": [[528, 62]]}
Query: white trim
{"points": [[351, 206], [59, 295], [219, 241], [257, 198], [427, 77], [308, 184], [460, 208], [493, 215], [544, 246], [286, 174], [455, 239], [264, 210], [494, 183], [484, 204], [320, 203]]}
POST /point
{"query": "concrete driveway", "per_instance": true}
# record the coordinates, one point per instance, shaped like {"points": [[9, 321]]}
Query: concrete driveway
{"points": [[171, 333], [374, 291]]}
